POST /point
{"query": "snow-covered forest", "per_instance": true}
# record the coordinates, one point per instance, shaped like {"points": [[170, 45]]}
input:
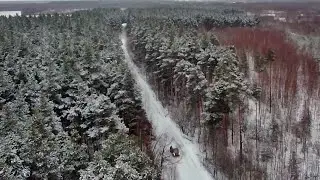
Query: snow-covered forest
{"points": [[246, 93], [70, 107]]}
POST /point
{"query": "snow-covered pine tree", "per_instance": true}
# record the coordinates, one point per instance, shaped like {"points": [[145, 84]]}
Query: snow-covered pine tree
{"points": [[55, 109]]}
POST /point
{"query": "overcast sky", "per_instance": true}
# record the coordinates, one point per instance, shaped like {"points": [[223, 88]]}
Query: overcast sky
{"points": [[178, 0]]}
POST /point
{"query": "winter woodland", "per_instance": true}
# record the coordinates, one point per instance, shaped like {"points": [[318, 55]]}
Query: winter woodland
{"points": [[70, 108]]}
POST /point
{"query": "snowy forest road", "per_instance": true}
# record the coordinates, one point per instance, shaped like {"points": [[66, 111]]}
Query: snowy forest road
{"points": [[189, 166]]}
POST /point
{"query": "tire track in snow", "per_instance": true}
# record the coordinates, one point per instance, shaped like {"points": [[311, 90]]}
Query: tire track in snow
{"points": [[190, 166]]}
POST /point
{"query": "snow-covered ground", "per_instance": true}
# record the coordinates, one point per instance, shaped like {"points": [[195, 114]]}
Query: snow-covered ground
{"points": [[311, 43], [189, 165], [10, 13], [280, 124]]}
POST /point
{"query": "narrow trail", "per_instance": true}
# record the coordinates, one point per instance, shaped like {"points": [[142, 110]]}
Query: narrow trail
{"points": [[188, 166]]}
